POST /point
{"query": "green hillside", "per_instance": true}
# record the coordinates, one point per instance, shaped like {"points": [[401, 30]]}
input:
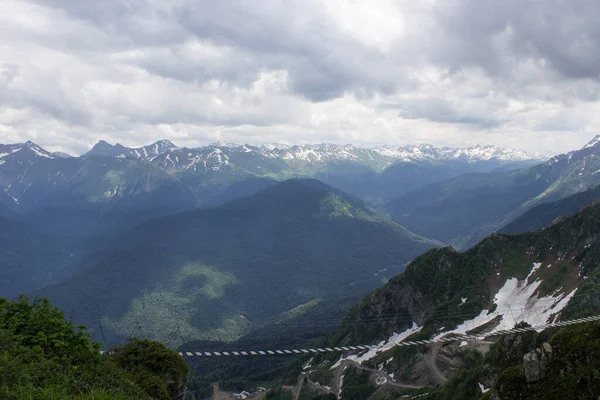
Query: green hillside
{"points": [[431, 290], [217, 273]]}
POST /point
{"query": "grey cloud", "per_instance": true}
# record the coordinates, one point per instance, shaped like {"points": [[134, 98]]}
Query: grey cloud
{"points": [[563, 36], [322, 64], [47, 97], [439, 110]]}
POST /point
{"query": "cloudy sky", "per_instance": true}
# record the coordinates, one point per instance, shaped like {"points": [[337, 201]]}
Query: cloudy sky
{"points": [[517, 73]]}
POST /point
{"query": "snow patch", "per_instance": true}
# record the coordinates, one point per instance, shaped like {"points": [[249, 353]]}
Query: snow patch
{"points": [[308, 364], [382, 346], [342, 382], [592, 142], [516, 302], [483, 389]]}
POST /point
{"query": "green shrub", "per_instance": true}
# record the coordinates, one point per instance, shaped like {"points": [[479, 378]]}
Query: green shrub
{"points": [[160, 371], [43, 356]]}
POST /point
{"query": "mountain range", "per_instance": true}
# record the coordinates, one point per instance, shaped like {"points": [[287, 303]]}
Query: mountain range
{"points": [[90, 199], [209, 170], [463, 210]]}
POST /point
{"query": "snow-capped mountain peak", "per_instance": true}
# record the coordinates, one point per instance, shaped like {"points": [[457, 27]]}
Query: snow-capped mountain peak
{"points": [[222, 143], [273, 146], [148, 152], [326, 152], [37, 150], [23, 153]]}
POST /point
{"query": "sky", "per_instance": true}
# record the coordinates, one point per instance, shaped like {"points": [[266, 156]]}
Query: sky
{"points": [[517, 73]]}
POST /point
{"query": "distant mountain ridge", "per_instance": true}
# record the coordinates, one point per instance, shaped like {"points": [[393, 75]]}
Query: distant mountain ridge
{"points": [[103, 148], [545, 214], [210, 170], [22, 152], [327, 152], [464, 209]]}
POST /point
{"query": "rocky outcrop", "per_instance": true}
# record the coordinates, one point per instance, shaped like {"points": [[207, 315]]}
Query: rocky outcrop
{"points": [[535, 363]]}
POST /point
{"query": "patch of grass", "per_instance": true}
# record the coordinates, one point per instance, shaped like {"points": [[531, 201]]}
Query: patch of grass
{"points": [[554, 280], [301, 309], [515, 264], [215, 281]]}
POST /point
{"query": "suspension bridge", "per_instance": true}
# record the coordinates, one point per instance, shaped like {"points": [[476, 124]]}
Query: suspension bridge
{"points": [[385, 345]]}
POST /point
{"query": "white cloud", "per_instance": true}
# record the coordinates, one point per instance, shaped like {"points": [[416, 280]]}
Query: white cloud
{"points": [[456, 73]]}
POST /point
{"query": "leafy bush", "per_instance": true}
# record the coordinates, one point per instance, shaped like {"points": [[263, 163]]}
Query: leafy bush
{"points": [[161, 371], [43, 356]]}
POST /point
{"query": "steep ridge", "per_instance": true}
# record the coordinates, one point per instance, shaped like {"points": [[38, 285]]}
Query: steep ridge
{"points": [[84, 180], [216, 273], [531, 277], [546, 213], [465, 209]]}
